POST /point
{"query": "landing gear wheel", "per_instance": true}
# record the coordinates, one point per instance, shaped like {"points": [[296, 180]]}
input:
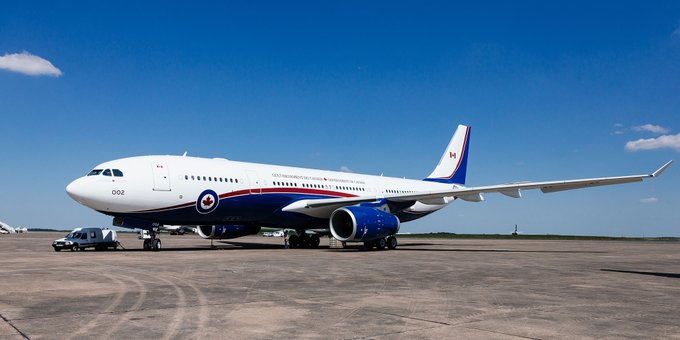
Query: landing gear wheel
{"points": [[147, 244], [380, 244], [293, 241], [368, 245], [156, 245], [314, 241], [391, 242], [75, 247]]}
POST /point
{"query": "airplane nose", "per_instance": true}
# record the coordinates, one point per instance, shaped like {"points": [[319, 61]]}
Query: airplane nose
{"points": [[75, 190]]}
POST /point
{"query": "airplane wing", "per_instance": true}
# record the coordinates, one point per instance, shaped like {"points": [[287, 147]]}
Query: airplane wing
{"points": [[326, 206]]}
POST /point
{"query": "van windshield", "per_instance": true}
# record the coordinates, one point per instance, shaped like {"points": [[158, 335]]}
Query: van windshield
{"points": [[74, 235]]}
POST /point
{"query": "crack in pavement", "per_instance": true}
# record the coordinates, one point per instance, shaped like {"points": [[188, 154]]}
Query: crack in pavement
{"points": [[13, 326]]}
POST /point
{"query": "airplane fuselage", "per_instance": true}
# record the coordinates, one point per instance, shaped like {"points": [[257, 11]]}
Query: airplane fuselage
{"points": [[182, 191]]}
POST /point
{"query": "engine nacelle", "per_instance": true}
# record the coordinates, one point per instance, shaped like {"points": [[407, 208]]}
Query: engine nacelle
{"points": [[226, 231], [361, 224]]}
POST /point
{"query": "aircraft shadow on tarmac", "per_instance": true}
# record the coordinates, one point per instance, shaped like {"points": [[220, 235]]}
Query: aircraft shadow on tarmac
{"points": [[404, 247], [231, 245], [669, 275]]}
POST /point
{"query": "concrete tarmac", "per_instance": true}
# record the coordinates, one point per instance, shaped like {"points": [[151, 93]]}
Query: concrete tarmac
{"points": [[253, 288]]}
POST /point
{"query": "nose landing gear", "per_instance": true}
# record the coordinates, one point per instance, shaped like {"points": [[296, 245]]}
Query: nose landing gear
{"points": [[152, 243]]}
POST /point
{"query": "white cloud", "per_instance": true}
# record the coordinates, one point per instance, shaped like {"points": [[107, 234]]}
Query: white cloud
{"points": [[29, 64], [344, 168], [651, 128], [665, 141], [649, 200]]}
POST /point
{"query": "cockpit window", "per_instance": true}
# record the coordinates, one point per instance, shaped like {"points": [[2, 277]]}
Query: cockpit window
{"points": [[117, 173], [107, 172], [95, 172]]}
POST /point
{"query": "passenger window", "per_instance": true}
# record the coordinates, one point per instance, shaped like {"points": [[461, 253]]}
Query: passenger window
{"points": [[186, 177], [236, 180], [93, 234], [107, 172], [117, 173]]}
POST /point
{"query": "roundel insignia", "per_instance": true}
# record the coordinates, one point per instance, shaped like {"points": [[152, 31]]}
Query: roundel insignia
{"points": [[207, 202]]}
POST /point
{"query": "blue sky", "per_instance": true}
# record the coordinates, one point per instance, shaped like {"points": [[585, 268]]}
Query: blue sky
{"points": [[552, 91]]}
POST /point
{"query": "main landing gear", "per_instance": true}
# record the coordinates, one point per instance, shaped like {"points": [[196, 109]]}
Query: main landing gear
{"points": [[302, 240], [389, 242], [153, 243]]}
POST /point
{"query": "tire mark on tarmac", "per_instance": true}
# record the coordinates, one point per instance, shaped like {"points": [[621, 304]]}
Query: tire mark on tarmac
{"points": [[202, 306], [172, 327], [135, 307], [115, 301]]}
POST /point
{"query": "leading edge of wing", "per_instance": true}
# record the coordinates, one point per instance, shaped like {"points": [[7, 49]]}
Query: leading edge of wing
{"points": [[546, 187]]}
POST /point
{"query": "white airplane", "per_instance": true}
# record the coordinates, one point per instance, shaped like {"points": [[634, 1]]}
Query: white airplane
{"points": [[228, 199], [7, 229]]}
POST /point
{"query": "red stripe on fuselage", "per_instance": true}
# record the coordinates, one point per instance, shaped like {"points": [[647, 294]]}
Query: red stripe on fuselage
{"points": [[256, 192]]}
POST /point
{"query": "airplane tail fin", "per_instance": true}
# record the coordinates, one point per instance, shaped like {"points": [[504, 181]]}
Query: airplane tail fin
{"points": [[453, 164]]}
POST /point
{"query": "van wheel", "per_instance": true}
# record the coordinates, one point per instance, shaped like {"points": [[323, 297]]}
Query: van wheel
{"points": [[75, 247]]}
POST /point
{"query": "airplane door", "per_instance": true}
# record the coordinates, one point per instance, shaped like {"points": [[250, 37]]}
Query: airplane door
{"points": [[255, 186], [161, 177]]}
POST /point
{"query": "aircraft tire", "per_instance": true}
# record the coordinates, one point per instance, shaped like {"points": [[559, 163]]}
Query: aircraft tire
{"points": [[147, 246], [380, 244], [156, 245], [392, 242], [293, 241], [314, 241], [304, 242]]}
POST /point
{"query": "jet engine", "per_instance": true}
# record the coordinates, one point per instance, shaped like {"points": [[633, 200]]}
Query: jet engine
{"points": [[361, 224], [226, 231]]}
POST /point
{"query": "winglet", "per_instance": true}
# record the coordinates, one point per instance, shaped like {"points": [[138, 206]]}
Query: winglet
{"points": [[661, 169]]}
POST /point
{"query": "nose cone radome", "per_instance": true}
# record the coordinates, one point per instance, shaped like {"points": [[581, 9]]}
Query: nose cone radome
{"points": [[76, 190]]}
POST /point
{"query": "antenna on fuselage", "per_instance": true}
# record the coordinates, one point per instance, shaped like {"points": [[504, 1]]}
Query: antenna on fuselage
{"points": [[184, 154]]}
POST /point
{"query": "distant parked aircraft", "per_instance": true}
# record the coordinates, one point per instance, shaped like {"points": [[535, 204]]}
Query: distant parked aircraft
{"points": [[7, 229], [227, 199]]}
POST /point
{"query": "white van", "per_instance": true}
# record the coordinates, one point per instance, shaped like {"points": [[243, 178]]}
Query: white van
{"points": [[81, 238]]}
